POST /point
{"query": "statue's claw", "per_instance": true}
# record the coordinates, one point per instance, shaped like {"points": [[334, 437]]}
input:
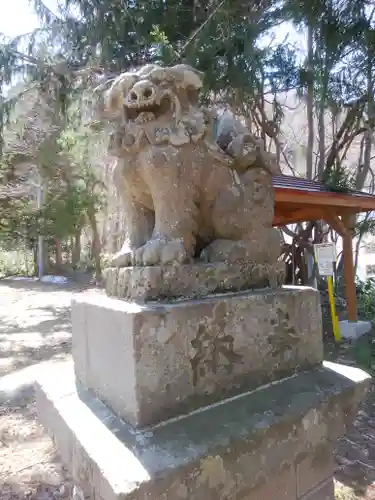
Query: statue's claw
{"points": [[161, 251]]}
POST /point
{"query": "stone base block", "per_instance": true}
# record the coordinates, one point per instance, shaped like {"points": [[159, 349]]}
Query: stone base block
{"points": [[192, 280], [155, 361], [353, 330], [273, 443]]}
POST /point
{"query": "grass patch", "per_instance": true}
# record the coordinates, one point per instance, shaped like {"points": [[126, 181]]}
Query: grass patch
{"points": [[360, 352], [363, 352], [343, 492]]}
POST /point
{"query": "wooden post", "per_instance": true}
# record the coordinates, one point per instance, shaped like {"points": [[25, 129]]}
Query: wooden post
{"points": [[349, 276], [342, 227]]}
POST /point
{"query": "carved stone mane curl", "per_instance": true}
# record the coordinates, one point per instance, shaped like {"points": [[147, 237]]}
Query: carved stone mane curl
{"points": [[155, 105]]}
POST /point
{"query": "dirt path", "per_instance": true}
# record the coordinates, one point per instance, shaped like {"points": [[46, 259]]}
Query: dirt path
{"points": [[34, 329], [355, 453]]}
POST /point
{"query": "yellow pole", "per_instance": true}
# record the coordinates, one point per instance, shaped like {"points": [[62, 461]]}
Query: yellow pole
{"points": [[335, 322]]}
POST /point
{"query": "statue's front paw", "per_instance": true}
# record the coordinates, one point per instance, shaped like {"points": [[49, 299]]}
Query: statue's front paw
{"points": [[161, 251], [174, 252], [225, 251], [148, 254]]}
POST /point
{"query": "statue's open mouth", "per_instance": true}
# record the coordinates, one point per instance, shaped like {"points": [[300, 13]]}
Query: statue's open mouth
{"points": [[142, 112]]}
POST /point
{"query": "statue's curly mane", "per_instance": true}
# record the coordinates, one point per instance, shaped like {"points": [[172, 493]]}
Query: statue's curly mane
{"points": [[181, 78], [156, 105]]}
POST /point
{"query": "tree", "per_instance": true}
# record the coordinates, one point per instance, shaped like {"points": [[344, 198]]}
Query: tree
{"points": [[86, 191]]}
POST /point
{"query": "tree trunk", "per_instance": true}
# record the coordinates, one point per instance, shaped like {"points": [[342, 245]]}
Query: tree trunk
{"points": [[1, 117], [76, 252], [321, 126], [356, 255], [96, 246], [364, 169], [58, 250], [263, 134], [326, 64], [310, 103], [35, 258]]}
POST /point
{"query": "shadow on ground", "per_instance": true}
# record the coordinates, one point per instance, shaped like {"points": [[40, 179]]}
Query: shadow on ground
{"points": [[26, 284], [37, 334], [355, 453], [30, 467], [35, 328], [35, 322], [57, 319]]}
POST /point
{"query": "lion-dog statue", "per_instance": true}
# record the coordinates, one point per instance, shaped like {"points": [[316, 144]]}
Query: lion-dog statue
{"points": [[194, 186]]}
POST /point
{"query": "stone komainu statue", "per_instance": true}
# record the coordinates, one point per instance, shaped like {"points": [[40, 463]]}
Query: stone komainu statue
{"points": [[192, 185]]}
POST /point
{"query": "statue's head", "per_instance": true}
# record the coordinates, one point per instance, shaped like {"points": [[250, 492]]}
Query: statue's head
{"points": [[152, 92]]}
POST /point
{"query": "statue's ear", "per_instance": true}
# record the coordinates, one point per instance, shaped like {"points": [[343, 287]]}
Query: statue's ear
{"points": [[120, 87], [181, 74]]}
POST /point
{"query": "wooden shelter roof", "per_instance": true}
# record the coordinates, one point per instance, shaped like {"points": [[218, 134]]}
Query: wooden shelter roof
{"points": [[298, 200]]}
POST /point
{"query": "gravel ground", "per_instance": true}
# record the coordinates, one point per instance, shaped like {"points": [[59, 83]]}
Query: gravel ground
{"points": [[34, 329]]}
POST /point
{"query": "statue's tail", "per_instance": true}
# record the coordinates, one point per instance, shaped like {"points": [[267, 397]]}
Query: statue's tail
{"points": [[246, 150]]}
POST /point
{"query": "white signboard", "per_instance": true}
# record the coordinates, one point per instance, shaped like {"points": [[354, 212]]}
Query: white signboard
{"points": [[325, 254]]}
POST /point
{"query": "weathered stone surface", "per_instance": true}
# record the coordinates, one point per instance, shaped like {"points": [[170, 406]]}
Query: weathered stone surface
{"points": [[323, 491], [186, 192], [190, 281], [281, 487], [154, 361], [314, 469], [227, 451]]}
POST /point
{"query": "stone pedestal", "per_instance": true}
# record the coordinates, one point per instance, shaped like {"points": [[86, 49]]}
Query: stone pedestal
{"points": [[191, 280], [155, 361], [220, 398]]}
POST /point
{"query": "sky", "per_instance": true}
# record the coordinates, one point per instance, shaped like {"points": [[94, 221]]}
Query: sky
{"points": [[16, 17]]}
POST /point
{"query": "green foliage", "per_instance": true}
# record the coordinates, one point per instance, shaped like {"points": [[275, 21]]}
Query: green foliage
{"points": [[71, 192], [341, 32], [365, 226], [223, 40], [164, 50], [366, 299], [16, 263], [220, 40], [339, 180], [363, 350], [77, 144], [61, 216], [12, 208]]}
